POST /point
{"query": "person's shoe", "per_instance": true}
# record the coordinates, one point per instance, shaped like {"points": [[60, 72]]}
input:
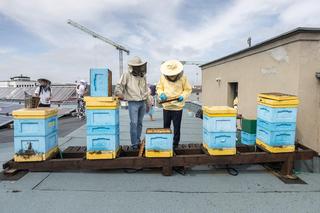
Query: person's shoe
{"points": [[135, 146], [175, 146]]}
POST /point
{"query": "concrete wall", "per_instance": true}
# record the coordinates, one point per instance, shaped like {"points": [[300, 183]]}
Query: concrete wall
{"points": [[309, 94], [284, 66], [272, 70]]}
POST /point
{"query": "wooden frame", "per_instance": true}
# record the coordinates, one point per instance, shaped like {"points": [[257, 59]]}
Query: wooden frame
{"points": [[186, 155]]}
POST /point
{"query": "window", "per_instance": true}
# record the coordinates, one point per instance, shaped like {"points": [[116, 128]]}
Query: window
{"points": [[232, 93]]}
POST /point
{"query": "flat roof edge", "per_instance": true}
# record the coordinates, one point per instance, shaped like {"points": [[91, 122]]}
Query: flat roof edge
{"points": [[268, 41]]}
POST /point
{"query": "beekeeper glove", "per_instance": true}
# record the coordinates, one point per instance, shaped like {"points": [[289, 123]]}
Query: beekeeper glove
{"points": [[163, 97]]}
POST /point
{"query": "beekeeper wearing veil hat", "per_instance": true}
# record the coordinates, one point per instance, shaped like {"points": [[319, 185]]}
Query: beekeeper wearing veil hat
{"points": [[44, 92], [173, 84], [133, 87]]}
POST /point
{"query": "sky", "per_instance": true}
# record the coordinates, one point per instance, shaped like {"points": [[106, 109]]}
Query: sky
{"points": [[35, 39]]}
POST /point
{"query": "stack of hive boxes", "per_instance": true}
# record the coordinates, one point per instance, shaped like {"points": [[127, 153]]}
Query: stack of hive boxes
{"points": [[248, 131], [159, 142], [276, 122], [102, 118], [219, 130], [35, 134]]}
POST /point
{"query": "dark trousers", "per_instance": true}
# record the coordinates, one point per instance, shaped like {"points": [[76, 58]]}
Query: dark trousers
{"points": [[44, 105], [175, 117]]}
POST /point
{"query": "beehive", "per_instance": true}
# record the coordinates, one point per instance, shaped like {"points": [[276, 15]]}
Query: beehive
{"points": [[276, 121], [248, 138], [219, 130], [248, 131], [103, 131], [35, 134], [100, 82], [159, 142], [249, 125]]}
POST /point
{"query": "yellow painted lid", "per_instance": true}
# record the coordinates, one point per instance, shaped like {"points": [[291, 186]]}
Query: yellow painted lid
{"points": [[278, 100], [101, 101], [98, 99], [102, 104], [219, 110], [102, 107], [43, 112], [277, 96], [282, 105]]}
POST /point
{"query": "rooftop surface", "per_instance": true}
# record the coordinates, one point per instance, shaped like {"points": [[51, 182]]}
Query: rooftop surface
{"points": [[202, 189]]}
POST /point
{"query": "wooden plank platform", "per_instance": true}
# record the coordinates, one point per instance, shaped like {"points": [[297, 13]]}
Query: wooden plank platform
{"points": [[186, 155]]}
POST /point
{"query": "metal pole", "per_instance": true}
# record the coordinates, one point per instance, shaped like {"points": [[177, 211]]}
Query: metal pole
{"points": [[120, 63]]}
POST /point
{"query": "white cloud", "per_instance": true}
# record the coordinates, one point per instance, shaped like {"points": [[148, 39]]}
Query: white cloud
{"points": [[151, 29]]}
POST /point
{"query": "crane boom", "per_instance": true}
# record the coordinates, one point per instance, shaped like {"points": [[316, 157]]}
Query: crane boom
{"points": [[95, 35], [197, 63], [104, 39]]}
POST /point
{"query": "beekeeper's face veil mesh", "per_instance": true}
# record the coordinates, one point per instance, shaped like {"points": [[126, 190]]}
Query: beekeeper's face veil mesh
{"points": [[139, 70], [137, 67]]}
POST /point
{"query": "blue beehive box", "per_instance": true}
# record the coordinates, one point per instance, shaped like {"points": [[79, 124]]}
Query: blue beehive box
{"points": [[219, 124], [219, 140], [99, 82], [102, 117], [159, 142], [35, 127], [275, 115], [102, 143], [101, 130], [248, 138], [35, 134], [276, 138], [278, 126], [35, 144]]}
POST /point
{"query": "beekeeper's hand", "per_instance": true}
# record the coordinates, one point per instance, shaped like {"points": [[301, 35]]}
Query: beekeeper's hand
{"points": [[120, 96], [180, 99], [163, 97]]}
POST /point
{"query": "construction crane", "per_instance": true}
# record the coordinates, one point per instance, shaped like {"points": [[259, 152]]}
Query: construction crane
{"points": [[95, 35], [197, 63]]}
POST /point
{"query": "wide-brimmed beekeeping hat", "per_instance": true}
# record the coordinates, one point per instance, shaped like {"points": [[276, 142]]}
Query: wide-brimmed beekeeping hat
{"points": [[136, 62], [171, 67]]}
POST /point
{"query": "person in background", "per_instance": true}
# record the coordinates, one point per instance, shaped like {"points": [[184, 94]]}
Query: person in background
{"points": [[151, 104], [44, 92], [133, 87], [81, 90], [173, 84]]}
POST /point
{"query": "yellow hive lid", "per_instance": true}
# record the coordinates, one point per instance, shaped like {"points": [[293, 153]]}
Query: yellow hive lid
{"points": [[98, 99], [43, 112], [277, 96], [219, 110], [102, 107], [101, 102], [278, 100]]}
